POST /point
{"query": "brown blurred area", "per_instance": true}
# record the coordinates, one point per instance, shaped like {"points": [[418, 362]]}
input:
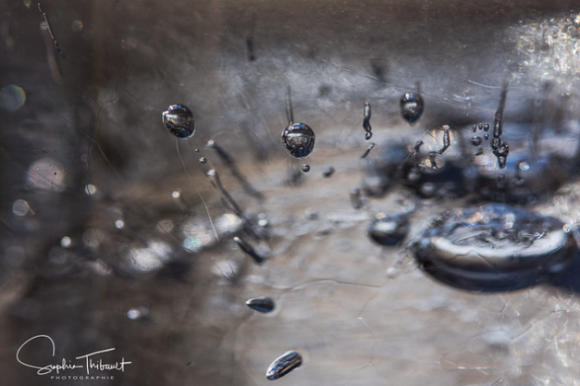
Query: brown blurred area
{"points": [[358, 313]]}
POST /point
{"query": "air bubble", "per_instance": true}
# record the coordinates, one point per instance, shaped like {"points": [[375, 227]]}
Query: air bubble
{"points": [[261, 304], [411, 107], [494, 248], [298, 139], [283, 365], [305, 168], [179, 121]]}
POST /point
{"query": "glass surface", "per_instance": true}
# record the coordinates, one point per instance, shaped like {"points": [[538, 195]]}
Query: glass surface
{"points": [[115, 233]]}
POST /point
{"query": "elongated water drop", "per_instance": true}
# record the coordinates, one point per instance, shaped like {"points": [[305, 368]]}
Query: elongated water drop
{"points": [[283, 365], [411, 107], [298, 139], [261, 304], [178, 119]]}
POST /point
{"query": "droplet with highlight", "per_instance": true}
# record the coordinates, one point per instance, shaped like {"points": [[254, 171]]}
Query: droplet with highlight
{"points": [[178, 119], [261, 304], [411, 107], [298, 139], [283, 365]]}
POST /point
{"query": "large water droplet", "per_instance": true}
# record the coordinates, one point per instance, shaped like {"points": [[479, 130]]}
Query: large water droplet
{"points": [[261, 304], [298, 139], [178, 119], [494, 248], [411, 107], [283, 365], [388, 230]]}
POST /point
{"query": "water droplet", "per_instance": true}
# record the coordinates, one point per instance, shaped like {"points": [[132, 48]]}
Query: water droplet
{"points": [[328, 171], [486, 136], [138, 313], [411, 107], [368, 135], [20, 207], [486, 127], [305, 168], [388, 230], [262, 304], [77, 25], [283, 365], [474, 127], [476, 141], [65, 242], [355, 198], [119, 224], [523, 166], [494, 248], [298, 139], [249, 250], [179, 121], [202, 160], [197, 150], [12, 97]]}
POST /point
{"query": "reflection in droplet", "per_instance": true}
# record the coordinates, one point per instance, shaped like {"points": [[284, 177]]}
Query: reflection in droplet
{"points": [[47, 174], [90, 189], [298, 139], [261, 304], [138, 313], [77, 25], [411, 107], [178, 119], [388, 230], [20, 207], [283, 365], [305, 168], [494, 248], [12, 97], [65, 242]]}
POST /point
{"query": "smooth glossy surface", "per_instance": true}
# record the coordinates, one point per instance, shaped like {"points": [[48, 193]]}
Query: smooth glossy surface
{"points": [[388, 230], [283, 365], [178, 119], [262, 304], [298, 139], [494, 248], [411, 107]]}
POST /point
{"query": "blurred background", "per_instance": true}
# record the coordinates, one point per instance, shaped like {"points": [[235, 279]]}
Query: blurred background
{"points": [[112, 235]]}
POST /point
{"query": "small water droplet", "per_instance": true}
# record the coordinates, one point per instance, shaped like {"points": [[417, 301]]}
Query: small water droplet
{"points": [[178, 119], [328, 171], [298, 139], [411, 107], [197, 150], [261, 304], [202, 160], [476, 140], [486, 136], [368, 135], [355, 198], [283, 365], [486, 127], [305, 168], [388, 230]]}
